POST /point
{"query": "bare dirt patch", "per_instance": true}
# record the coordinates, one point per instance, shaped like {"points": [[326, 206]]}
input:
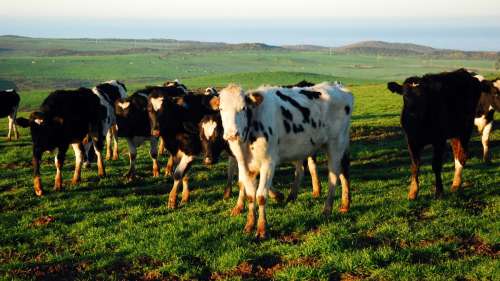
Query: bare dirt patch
{"points": [[43, 220]]}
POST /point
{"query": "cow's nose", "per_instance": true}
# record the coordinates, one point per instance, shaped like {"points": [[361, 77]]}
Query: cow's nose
{"points": [[155, 133], [207, 161]]}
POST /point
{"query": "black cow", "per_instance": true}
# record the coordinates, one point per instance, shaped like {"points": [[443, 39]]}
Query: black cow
{"points": [[9, 103], [438, 107], [176, 122], [66, 117], [489, 102]]}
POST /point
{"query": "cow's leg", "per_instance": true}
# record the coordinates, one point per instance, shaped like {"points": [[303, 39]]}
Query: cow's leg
{"points": [[78, 149], [11, 125], [132, 155], [153, 152], [299, 174], [88, 154], [485, 139], [240, 203], [250, 191], [316, 185], [115, 142], [265, 181], [437, 166], [337, 151], [169, 168], [346, 182], [231, 168], [98, 143], [161, 147], [179, 174], [59, 162], [37, 181], [185, 189], [414, 151], [460, 155], [109, 137]]}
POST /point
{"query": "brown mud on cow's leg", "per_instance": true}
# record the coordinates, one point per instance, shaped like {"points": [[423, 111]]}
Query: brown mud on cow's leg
{"points": [[169, 168], [185, 190], [115, 142]]}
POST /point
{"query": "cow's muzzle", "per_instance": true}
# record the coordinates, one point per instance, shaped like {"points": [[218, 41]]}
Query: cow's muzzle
{"points": [[155, 133], [208, 161]]}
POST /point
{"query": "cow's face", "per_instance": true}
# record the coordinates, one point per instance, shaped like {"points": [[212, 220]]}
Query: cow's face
{"points": [[212, 144], [495, 92], [412, 91], [155, 111], [120, 86], [44, 130], [235, 107]]}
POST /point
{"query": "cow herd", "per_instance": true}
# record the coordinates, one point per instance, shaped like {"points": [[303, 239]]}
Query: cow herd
{"points": [[258, 129]]}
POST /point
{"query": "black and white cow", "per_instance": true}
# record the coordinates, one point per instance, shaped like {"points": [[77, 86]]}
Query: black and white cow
{"points": [[291, 124], [133, 123], [438, 107], [176, 121], [213, 144], [489, 102], [9, 103], [66, 117], [109, 92]]}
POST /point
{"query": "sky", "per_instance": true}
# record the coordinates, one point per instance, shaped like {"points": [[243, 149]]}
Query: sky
{"points": [[459, 24]]}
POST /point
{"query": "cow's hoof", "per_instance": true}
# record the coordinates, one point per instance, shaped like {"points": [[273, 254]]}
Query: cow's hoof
{"points": [[172, 204], [261, 235], [455, 188], [344, 210], [316, 194], [327, 212], [156, 173], [291, 197], [236, 211], [227, 193], [75, 182], [412, 196], [185, 200], [115, 157], [57, 187], [248, 228], [279, 197]]}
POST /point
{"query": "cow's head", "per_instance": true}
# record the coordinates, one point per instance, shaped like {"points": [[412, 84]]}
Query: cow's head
{"points": [[114, 88], [236, 109], [212, 143], [412, 90], [131, 115], [44, 129], [490, 91], [156, 103]]}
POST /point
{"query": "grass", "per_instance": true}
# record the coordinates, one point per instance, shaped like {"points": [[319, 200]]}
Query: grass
{"points": [[110, 229]]}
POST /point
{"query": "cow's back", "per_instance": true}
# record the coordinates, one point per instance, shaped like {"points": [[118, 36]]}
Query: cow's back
{"points": [[9, 99]]}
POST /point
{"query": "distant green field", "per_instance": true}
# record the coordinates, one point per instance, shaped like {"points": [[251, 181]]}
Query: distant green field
{"points": [[117, 230]]}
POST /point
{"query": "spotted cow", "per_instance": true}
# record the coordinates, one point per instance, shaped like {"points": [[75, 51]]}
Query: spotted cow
{"points": [[66, 117], [438, 107], [9, 103], [176, 121], [489, 102], [275, 124]]}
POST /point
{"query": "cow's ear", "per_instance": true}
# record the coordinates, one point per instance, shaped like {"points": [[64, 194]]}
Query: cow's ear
{"points": [[214, 103], [254, 98], [395, 87], [58, 120], [23, 122]]}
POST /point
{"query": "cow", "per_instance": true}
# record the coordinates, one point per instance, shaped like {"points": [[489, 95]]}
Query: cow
{"points": [[213, 144], [438, 107], [66, 117], [133, 124], [109, 92], [270, 125], [176, 121], [489, 102], [9, 103]]}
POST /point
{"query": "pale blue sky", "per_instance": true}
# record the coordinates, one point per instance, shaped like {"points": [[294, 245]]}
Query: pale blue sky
{"points": [[469, 25]]}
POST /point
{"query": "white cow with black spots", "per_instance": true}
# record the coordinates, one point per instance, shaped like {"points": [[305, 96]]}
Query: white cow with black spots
{"points": [[273, 124]]}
